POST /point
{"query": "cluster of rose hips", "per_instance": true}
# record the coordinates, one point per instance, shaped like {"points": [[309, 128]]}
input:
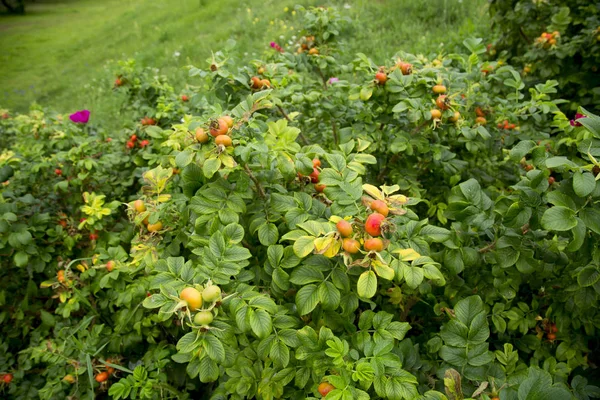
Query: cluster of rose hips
{"points": [[219, 129], [307, 43], [210, 295], [314, 175], [133, 139], [140, 207], [551, 330], [372, 227], [506, 126], [147, 121], [547, 39], [258, 84], [442, 103], [100, 377], [381, 76]]}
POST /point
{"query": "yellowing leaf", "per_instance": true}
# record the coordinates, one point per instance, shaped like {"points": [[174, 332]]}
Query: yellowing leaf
{"points": [[46, 284], [335, 219], [383, 270], [163, 198], [328, 246], [373, 191], [63, 297], [407, 254], [227, 160], [398, 200]]}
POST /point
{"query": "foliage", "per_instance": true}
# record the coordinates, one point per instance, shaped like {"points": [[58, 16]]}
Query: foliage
{"points": [[212, 261], [552, 39]]}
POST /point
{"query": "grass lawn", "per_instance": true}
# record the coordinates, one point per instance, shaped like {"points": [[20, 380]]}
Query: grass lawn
{"points": [[57, 53]]}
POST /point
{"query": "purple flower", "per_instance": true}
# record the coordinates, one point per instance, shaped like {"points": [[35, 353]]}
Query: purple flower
{"points": [[574, 122], [333, 80], [273, 44], [80, 117]]}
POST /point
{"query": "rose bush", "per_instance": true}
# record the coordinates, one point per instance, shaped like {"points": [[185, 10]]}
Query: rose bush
{"points": [[415, 230], [553, 39]]}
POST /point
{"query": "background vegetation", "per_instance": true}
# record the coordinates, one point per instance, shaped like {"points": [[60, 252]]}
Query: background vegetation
{"points": [[56, 54]]}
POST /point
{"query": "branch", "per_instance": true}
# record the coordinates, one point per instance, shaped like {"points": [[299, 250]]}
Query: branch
{"points": [[259, 188], [488, 247]]}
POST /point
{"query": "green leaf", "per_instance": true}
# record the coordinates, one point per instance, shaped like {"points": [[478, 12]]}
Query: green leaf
{"points": [[268, 234], [214, 348], [307, 299], [329, 296], [211, 166], [559, 219], [21, 258], [436, 233], [468, 308], [260, 323], [184, 158], [413, 276], [583, 183], [560, 161], [455, 333], [306, 274], [397, 389], [280, 354], [578, 232], [591, 218], [588, 276], [367, 285], [398, 329], [209, 370], [521, 149], [188, 342], [155, 301]]}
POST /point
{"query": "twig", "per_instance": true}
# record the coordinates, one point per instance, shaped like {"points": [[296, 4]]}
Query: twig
{"points": [[283, 113], [488, 247], [259, 188]]}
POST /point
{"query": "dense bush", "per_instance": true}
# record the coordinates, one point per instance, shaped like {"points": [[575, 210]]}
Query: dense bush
{"points": [[301, 227], [552, 39]]}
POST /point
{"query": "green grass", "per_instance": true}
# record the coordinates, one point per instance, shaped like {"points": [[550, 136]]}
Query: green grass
{"points": [[57, 54]]}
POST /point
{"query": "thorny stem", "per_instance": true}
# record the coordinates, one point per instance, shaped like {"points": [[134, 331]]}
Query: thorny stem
{"points": [[259, 188]]}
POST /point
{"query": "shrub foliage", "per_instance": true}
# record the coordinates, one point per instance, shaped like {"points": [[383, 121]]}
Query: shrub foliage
{"points": [[303, 226]]}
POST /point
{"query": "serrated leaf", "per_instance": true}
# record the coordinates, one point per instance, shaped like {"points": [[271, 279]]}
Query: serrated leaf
{"points": [[583, 183], [260, 323], [307, 299], [559, 219], [367, 284], [304, 245]]}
